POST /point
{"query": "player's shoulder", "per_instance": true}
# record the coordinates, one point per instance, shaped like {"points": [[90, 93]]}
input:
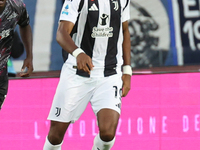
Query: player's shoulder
{"points": [[124, 3], [73, 1]]}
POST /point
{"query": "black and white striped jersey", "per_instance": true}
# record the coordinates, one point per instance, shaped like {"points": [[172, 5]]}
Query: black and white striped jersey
{"points": [[98, 31]]}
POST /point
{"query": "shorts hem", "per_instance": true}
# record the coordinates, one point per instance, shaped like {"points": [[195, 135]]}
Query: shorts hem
{"points": [[59, 120], [119, 111]]}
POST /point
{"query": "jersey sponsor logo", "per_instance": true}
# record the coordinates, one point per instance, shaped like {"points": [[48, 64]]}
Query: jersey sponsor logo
{"points": [[66, 10], [104, 19], [4, 34], [116, 4], [58, 110], [13, 15], [93, 7], [102, 31]]}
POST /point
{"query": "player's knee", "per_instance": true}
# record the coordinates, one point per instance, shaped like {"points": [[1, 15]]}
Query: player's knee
{"points": [[55, 138], [107, 136], [107, 132]]}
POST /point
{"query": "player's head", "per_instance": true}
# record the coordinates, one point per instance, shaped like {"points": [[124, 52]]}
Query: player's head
{"points": [[2, 4]]}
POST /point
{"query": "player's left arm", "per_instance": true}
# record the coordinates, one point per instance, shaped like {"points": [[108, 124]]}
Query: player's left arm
{"points": [[126, 78], [26, 35], [27, 39]]}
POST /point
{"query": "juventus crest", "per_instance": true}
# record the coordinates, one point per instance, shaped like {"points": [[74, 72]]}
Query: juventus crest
{"points": [[116, 4]]}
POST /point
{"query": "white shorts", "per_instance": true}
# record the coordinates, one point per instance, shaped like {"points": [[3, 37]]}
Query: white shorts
{"points": [[75, 92]]}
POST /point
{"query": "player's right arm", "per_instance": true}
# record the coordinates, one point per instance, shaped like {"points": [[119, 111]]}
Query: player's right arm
{"points": [[63, 36], [84, 62], [68, 18]]}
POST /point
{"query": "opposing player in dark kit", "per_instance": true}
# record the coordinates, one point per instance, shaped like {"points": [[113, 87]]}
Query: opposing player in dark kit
{"points": [[98, 47], [13, 13]]}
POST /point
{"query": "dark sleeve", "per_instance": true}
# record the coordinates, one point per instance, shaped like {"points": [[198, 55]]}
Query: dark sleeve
{"points": [[17, 48], [24, 17]]}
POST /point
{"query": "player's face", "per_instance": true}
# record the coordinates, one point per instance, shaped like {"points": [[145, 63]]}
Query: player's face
{"points": [[2, 3]]}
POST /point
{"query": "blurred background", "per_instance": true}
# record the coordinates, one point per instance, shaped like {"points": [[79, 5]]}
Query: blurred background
{"points": [[162, 109]]}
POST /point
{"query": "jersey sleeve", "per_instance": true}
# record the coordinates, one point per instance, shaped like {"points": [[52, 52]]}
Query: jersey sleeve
{"points": [[126, 11], [69, 11], [24, 17]]}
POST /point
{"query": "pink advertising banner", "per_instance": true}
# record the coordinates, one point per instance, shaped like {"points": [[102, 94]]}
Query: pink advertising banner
{"points": [[161, 112]]}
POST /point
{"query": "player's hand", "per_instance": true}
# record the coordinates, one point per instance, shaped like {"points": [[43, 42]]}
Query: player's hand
{"points": [[84, 62], [126, 84], [27, 68]]}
